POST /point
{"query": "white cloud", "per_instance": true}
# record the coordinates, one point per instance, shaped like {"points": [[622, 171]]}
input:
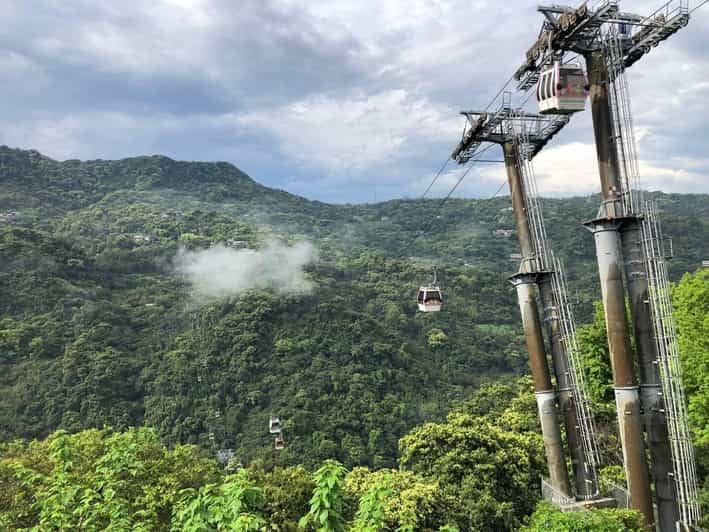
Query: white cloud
{"points": [[674, 178], [571, 170], [352, 134], [135, 38], [220, 272], [567, 169], [56, 138], [14, 64], [88, 135]]}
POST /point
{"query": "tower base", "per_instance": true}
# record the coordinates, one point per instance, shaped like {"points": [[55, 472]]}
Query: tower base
{"points": [[569, 504]]}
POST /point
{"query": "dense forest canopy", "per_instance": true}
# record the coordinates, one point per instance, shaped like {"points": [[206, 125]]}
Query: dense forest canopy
{"points": [[114, 312], [472, 472]]}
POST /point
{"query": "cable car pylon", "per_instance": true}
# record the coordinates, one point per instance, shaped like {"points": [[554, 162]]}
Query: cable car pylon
{"points": [[500, 127], [610, 41]]}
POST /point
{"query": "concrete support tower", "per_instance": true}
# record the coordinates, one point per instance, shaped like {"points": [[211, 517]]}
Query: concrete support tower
{"points": [[607, 236], [612, 40], [524, 282], [653, 407], [584, 485], [521, 135]]}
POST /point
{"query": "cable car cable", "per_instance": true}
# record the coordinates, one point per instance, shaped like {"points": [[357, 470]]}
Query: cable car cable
{"points": [[440, 171], [426, 228], [697, 7], [429, 298], [460, 180], [498, 190], [500, 92]]}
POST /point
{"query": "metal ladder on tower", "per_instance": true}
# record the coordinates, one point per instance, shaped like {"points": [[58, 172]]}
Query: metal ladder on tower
{"points": [[685, 475], [623, 130]]}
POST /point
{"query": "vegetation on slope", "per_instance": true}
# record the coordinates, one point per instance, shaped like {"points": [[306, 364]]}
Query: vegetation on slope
{"points": [[97, 328], [473, 472]]}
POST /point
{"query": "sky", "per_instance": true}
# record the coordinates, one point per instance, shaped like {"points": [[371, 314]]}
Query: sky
{"points": [[335, 100]]}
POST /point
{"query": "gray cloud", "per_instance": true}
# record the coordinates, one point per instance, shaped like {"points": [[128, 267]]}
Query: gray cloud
{"points": [[328, 98]]}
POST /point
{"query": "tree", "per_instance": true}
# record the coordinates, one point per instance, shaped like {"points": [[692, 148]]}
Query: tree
{"points": [[547, 518], [287, 491], [593, 345], [691, 305], [326, 512], [97, 480], [488, 474], [219, 507], [396, 500], [370, 512]]}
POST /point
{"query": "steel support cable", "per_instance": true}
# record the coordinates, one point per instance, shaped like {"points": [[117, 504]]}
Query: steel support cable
{"points": [[531, 93], [502, 185], [499, 92], [443, 167], [202, 374], [471, 164], [467, 171], [215, 421], [426, 228], [697, 7], [438, 174]]}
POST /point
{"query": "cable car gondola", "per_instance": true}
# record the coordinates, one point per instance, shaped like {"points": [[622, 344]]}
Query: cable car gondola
{"points": [[562, 89], [274, 425], [280, 443], [429, 298]]}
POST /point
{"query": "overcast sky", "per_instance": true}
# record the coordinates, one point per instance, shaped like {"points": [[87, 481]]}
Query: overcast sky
{"points": [[336, 100]]}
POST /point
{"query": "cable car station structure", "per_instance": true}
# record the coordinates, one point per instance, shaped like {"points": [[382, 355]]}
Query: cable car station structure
{"points": [[651, 407]]}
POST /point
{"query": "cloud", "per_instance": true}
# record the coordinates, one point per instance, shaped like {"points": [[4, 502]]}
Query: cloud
{"points": [[328, 99], [84, 135], [220, 272], [567, 168], [353, 134]]}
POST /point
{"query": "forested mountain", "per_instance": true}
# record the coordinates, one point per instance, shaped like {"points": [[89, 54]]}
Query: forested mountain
{"points": [[98, 326]]}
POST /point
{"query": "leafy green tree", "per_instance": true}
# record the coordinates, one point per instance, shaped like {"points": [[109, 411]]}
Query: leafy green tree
{"points": [[593, 344], [691, 304], [400, 500], [370, 513], [97, 480], [287, 492], [488, 475], [229, 506], [326, 512], [437, 339], [546, 517]]}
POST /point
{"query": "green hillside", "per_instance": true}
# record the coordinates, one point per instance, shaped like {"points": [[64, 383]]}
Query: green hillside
{"points": [[96, 328]]}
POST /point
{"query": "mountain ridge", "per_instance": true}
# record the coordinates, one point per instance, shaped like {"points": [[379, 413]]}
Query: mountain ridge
{"points": [[97, 327]]}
